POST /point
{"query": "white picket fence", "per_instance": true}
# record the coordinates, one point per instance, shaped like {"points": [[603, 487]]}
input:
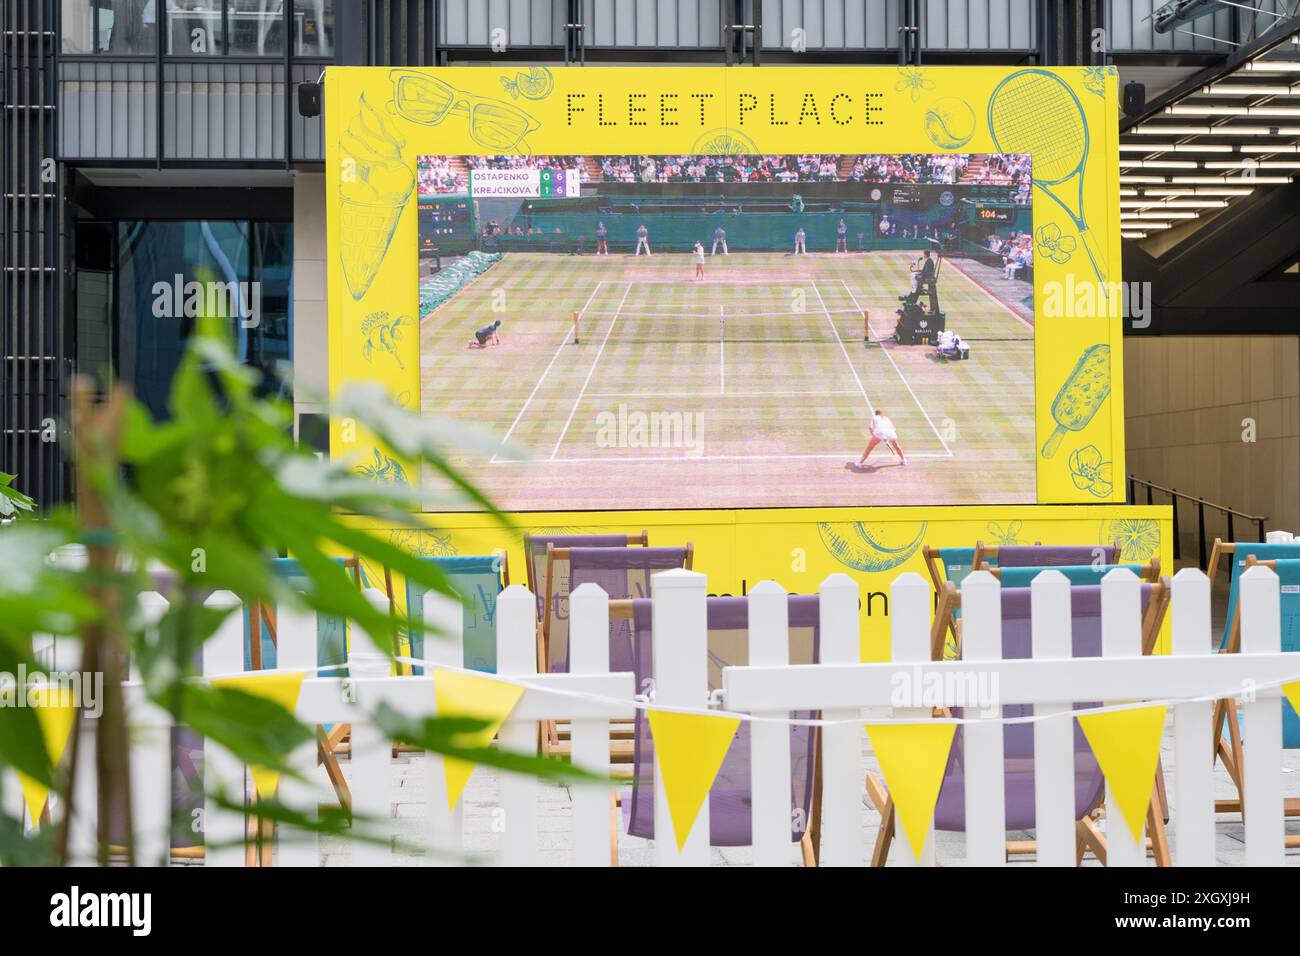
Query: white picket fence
{"points": [[839, 686]]}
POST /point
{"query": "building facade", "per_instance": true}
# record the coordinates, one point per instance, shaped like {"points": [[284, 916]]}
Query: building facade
{"points": [[150, 142]]}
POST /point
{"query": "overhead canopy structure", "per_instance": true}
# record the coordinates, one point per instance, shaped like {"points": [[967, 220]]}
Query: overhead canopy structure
{"points": [[1210, 190], [1215, 139]]}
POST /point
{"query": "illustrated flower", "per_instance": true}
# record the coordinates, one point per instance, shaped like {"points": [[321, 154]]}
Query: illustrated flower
{"points": [[423, 543], [913, 79], [1052, 244], [382, 332], [383, 468], [1090, 472], [1010, 534]]}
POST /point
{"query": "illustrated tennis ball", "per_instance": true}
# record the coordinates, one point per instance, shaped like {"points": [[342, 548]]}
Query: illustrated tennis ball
{"points": [[950, 123], [869, 547]]}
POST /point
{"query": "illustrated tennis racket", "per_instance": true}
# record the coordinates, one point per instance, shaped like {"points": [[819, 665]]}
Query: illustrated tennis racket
{"points": [[1036, 112]]}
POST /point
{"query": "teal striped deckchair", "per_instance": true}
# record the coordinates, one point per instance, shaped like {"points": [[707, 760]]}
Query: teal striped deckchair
{"points": [[479, 581], [1075, 573], [1226, 718], [1237, 553], [331, 629], [955, 563]]}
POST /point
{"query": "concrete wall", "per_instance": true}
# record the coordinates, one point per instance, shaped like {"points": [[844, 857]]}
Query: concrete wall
{"points": [[310, 366], [1185, 401]]}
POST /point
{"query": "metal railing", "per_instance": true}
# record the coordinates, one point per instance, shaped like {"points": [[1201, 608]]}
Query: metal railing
{"points": [[1175, 496]]}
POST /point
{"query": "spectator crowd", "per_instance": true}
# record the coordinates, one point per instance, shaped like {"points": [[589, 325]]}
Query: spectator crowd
{"points": [[1015, 249]]}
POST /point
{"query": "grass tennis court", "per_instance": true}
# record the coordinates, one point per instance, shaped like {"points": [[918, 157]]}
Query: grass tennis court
{"points": [[758, 375]]}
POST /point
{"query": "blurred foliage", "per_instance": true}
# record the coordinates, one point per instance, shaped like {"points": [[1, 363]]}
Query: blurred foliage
{"points": [[202, 502], [12, 501]]}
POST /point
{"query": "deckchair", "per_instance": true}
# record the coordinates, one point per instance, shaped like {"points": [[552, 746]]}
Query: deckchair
{"points": [[1225, 712], [960, 562], [1085, 609], [535, 546], [623, 574], [479, 581], [260, 619], [730, 819], [1021, 577], [1042, 555], [956, 564], [1237, 554], [260, 640]]}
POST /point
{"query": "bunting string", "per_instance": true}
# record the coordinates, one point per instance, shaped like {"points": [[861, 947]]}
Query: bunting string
{"points": [[641, 702]]}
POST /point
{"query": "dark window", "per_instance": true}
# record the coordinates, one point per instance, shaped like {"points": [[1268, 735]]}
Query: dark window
{"points": [[137, 314]]}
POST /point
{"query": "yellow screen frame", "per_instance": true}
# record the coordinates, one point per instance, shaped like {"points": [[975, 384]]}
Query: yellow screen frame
{"points": [[649, 110]]}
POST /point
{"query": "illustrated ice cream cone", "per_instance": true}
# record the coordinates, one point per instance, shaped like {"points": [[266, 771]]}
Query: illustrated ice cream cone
{"points": [[372, 196]]}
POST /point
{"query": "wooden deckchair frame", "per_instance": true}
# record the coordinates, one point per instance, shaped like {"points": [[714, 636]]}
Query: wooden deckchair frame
{"points": [[534, 586], [810, 842], [258, 831], [1230, 751], [555, 734], [633, 540], [1087, 835]]}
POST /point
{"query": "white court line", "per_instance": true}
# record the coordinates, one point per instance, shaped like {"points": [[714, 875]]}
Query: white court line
{"points": [[687, 458], [677, 314], [897, 371], [675, 280], [722, 350], [849, 361], [591, 371], [732, 394], [531, 395]]}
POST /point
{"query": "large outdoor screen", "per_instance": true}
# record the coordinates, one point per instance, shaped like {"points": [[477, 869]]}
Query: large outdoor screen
{"points": [[693, 291], [719, 329]]}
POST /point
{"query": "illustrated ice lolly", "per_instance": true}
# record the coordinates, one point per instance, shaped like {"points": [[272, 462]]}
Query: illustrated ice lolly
{"points": [[372, 195], [1081, 395]]}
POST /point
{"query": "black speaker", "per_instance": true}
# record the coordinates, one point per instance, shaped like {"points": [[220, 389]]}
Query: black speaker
{"points": [[1135, 98], [309, 99]]}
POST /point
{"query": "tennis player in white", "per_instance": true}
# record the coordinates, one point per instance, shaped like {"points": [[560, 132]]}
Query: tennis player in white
{"points": [[883, 430]]}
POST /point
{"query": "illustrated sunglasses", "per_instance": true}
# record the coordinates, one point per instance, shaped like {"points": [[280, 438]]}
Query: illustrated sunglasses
{"points": [[428, 101]]}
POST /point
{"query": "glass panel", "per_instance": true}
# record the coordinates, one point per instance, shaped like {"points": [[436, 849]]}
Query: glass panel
{"points": [[269, 346], [313, 27], [256, 27], [109, 26], [171, 272], [94, 300], [194, 28]]}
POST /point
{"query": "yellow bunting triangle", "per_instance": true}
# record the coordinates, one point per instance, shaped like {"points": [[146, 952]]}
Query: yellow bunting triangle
{"points": [[282, 689], [482, 698], [1292, 691], [1127, 746], [912, 758], [689, 749], [56, 710]]}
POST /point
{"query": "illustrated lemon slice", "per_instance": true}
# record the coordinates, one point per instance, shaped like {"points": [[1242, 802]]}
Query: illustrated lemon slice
{"points": [[724, 142], [536, 83], [1138, 538]]}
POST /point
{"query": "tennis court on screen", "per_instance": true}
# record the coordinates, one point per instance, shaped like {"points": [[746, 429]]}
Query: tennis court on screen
{"points": [[751, 387]]}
